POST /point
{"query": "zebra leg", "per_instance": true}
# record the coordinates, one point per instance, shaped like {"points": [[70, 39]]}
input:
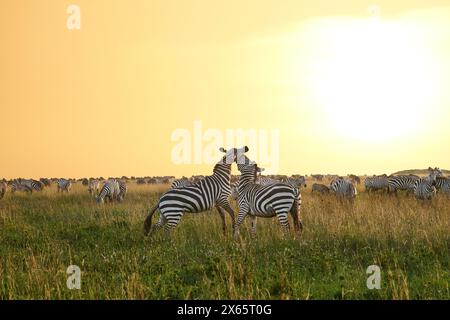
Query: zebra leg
{"points": [[284, 222], [222, 217], [240, 219], [171, 221], [225, 205], [254, 220]]}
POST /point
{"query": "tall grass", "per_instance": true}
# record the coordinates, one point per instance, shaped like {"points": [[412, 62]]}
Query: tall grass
{"points": [[41, 235]]}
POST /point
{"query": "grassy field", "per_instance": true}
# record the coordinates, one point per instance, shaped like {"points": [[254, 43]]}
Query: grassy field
{"points": [[41, 235]]}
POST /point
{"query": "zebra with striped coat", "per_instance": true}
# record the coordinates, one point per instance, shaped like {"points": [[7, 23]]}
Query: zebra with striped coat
{"points": [[343, 188], [256, 200], [27, 185], [402, 182], [211, 191], [376, 183], [443, 185], [110, 191], [63, 185], [425, 188], [122, 190]]}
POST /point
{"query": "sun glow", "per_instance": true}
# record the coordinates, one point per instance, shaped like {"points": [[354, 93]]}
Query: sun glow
{"points": [[374, 79]]}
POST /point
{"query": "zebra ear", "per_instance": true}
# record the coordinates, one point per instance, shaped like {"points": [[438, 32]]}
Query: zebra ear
{"points": [[245, 149], [222, 150]]}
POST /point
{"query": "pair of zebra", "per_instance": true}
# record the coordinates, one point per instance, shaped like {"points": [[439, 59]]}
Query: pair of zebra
{"points": [[112, 190], [276, 199]]}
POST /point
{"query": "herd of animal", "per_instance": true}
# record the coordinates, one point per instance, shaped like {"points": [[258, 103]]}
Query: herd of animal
{"points": [[256, 195], [111, 190]]}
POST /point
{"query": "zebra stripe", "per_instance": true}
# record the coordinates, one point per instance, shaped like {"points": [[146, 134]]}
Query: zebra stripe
{"points": [[208, 192], [264, 181], [110, 191], [256, 200], [181, 183], [63, 185], [343, 188]]}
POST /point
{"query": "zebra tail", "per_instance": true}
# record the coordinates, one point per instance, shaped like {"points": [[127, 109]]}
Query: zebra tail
{"points": [[295, 211], [148, 220]]}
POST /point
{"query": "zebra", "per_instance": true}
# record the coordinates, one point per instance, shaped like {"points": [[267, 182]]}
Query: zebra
{"points": [[256, 200], [425, 188], [343, 188], [443, 184], [93, 186], [213, 190], [63, 185], [3, 187], [27, 185], [402, 182], [122, 190], [235, 185], [110, 191], [376, 183], [321, 188]]}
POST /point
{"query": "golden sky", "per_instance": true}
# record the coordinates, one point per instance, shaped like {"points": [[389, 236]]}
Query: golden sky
{"points": [[350, 86]]}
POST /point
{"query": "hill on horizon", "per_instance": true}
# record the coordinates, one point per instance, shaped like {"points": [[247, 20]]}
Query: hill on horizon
{"points": [[420, 172]]}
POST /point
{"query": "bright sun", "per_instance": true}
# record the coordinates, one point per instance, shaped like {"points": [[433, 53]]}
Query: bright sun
{"points": [[373, 79]]}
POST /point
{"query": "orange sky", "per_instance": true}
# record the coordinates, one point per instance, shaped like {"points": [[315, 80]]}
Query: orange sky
{"points": [[105, 100]]}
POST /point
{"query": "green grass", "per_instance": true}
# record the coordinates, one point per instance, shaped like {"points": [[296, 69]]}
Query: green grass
{"points": [[41, 235]]}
